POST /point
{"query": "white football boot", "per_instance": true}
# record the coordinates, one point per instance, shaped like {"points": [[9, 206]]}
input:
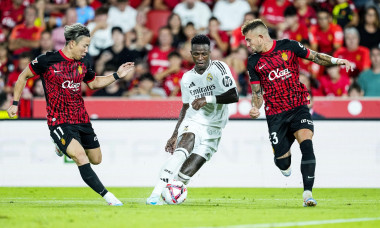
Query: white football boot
{"points": [[154, 200], [308, 200], [112, 200]]}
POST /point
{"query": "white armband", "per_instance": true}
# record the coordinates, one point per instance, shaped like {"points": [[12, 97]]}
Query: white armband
{"points": [[210, 99], [334, 60]]}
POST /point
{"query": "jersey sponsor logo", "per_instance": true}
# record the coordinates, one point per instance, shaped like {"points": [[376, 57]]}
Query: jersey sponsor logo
{"points": [[192, 84], [203, 91], [209, 77], [34, 61], [227, 81], [80, 69], [284, 56], [284, 74], [71, 85], [260, 67]]}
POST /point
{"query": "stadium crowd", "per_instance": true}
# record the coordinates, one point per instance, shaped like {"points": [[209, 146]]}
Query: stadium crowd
{"points": [[130, 30]]}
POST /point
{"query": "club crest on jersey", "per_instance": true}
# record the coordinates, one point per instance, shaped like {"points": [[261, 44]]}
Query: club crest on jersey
{"points": [[209, 77], [284, 56], [34, 61], [80, 69]]}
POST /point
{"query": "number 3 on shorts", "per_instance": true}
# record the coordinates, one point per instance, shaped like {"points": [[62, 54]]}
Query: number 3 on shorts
{"points": [[273, 138], [55, 132]]}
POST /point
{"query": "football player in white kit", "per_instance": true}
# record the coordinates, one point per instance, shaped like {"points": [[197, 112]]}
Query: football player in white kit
{"points": [[206, 91]]}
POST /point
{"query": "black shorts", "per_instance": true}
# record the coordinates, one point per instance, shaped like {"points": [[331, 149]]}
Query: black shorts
{"points": [[84, 133], [282, 127]]}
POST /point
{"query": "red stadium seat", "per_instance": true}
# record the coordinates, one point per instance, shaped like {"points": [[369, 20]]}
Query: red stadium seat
{"points": [[156, 19]]}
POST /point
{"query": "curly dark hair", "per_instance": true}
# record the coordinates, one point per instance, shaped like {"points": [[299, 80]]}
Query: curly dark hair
{"points": [[200, 39]]}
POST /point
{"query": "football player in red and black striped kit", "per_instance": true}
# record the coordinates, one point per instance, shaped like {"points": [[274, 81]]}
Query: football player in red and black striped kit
{"points": [[62, 73], [274, 76]]}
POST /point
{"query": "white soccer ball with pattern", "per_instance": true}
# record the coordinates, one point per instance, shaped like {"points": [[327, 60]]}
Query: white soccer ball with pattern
{"points": [[175, 192]]}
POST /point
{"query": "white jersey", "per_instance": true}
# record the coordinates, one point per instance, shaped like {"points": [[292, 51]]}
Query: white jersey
{"points": [[217, 79]]}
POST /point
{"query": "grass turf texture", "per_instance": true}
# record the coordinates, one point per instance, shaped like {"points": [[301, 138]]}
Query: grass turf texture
{"points": [[204, 207]]}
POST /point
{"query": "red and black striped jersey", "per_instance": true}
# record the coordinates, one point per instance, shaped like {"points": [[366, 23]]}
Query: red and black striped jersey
{"points": [[277, 71], [61, 79]]}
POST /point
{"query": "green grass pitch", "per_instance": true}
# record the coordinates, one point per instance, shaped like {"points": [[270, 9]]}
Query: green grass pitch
{"points": [[204, 207]]}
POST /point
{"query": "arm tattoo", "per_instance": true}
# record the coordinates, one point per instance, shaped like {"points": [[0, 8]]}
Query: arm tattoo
{"points": [[257, 95], [320, 58]]}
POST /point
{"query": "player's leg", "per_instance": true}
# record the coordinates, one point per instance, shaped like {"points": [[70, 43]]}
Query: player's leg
{"points": [[283, 163], [170, 168], [303, 129], [190, 167], [94, 155]]}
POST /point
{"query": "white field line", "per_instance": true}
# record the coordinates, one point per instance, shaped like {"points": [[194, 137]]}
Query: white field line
{"points": [[306, 223]]}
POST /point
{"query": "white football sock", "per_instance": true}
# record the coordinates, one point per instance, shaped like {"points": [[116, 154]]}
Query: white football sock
{"points": [[183, 178], [170, 169]]}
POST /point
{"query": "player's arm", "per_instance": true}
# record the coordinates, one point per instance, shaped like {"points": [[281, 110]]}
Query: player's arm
{"points": [[170, 145], [327, 60], [103, 81], [257, 100], [19, 87], [228, 97]]}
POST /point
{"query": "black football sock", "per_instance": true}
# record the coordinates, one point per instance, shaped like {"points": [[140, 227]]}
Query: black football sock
{"points": [[91, 179], [307, 164]]}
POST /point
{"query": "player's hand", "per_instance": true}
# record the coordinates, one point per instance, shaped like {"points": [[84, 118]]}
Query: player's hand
{"points": [[125, 68], [170, 145], [199, 103], [254, 113], [347, 63], [12, 111]]}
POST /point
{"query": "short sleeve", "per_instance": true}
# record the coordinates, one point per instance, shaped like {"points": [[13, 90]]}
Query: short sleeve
{"points": [[39, 65], [253, 76], [299, 49], [226, 80], [90, 74], [185, 92]]}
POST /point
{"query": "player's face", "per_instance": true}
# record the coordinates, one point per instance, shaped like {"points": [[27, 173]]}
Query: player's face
{"points": [[201, 56], [254, 41], [80, 49]]}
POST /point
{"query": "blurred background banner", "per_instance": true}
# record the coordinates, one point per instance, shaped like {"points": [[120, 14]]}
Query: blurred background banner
{"points": [[348, 154]]}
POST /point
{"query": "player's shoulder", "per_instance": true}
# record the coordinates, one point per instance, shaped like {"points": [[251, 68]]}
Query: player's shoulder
{"points": [[186, 77], [219, 66], [253, 59]]}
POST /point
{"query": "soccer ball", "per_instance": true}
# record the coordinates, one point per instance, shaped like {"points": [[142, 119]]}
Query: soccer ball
{"points": [[175, 192]]}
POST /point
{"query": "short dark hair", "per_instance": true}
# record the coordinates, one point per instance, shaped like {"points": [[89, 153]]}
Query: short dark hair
{"points": [[174, 54], [101, 11], [75, 32], [116, 28], [353, 86], [290, 11], [251, 25], [26, 55], [213, 19], [324, 10], [189, 24], [147, 76], [200, 39]]}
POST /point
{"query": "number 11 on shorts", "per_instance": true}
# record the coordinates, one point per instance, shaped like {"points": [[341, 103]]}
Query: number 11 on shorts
{"points": [[55, 132]]}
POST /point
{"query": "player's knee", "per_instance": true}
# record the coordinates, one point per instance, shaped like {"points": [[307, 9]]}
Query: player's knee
{"points": [[283, 163], [96, 160]]}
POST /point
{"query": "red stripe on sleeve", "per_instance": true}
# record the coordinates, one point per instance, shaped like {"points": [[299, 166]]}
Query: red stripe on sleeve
{"points": [[255, 82], [31, 69], [308, 53], [91, 79]]}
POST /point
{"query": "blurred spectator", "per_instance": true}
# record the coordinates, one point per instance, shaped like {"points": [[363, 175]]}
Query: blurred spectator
{"points": [[85, 13], [140, 4], [175, 25], [12, 13], [291, 28], [306, 13], [230, 13], [354, 53], [46, 44], [193, 11], [24, 59], [112, 90], [134, 44], [25, 36], [5, 102], [354, 91], [117, 54], [143, 35], [369, 80], [6, 63], [158, 56], [375, 3], [237, 61], [141, 67], [165, 4], [334, 84], [237, 37], [185, 48], [122, 15], [56, 8], [325, 37], [344, 14], [145, 89], [272, 13], [38, 88], [95, 4], [369, 29], [172, 76], [100, 29], [58, 33], [218, 39]]}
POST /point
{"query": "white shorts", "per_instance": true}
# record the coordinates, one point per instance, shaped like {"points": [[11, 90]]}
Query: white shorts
{"points": [[207, 138]]}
